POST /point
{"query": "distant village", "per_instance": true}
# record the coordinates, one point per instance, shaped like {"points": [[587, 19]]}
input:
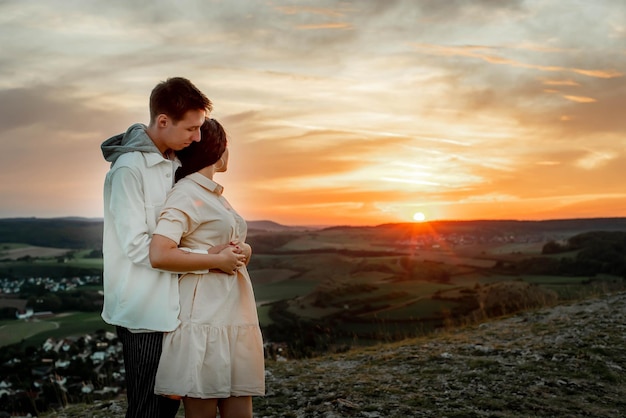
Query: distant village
{"points": [[60, 371], [67, 370], [454, 239], [14, 286], [11, 289]]}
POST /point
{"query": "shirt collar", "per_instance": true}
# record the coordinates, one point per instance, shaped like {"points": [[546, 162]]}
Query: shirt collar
{"points": [[206, 183], [152, 159]]}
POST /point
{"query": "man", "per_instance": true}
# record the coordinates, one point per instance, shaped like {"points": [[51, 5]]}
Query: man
{"points": [[140, 301]]}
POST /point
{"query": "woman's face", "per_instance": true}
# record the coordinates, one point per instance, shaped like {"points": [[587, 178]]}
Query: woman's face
{"points": [[224, 159]]}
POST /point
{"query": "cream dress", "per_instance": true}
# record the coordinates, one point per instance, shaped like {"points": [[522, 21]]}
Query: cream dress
{"points": [[217, 350]]}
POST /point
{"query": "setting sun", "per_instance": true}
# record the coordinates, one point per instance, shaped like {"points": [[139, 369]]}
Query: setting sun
{"points": [[419, 217]]}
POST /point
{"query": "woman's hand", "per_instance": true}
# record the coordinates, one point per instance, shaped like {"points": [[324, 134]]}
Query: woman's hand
{"points": [[231, 260], [243, 248]]}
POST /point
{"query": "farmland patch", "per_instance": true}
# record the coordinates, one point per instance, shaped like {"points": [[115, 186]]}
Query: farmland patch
{"points": [[13, 253]]}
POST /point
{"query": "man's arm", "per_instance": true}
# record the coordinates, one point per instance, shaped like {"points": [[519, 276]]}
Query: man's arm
{"points": [[129, 212]]}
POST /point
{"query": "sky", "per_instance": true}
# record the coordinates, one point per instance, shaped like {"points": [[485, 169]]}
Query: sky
{"points": [[338, 112]]}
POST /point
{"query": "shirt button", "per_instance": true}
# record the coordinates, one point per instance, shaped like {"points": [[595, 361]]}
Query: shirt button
{"points": [[168, 175]]}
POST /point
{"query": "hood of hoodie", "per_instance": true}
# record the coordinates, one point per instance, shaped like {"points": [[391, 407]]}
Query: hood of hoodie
{"points": [[134, 139]]}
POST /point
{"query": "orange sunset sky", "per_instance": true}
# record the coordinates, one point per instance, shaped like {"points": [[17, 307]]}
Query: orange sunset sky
{"points": [[338, 112]]}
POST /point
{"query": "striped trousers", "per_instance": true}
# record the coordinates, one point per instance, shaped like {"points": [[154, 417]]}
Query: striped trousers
{"points": [[141, 358]]}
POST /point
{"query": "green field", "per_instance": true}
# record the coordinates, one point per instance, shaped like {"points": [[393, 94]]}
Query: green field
{"points": [[264, 318], [35, 332], [41, 264], [286, 289], [4, 247], [14, 331], [418, 309]]}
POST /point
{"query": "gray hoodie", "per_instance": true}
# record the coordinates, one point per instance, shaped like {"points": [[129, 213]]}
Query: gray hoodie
{"points": [[134, 139]]}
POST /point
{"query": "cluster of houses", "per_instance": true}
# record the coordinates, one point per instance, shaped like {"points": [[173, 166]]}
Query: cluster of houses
{"points": [[71, 370], [14, 286], [453, 239], [67, 370]]}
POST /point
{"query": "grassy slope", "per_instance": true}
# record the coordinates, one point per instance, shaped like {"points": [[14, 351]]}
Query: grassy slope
{"points": [[64, 325]]}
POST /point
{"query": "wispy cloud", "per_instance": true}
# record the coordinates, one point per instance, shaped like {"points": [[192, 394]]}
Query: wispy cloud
{"points": [[487, 54], [560, 83], [335, 25], [580, 99]]}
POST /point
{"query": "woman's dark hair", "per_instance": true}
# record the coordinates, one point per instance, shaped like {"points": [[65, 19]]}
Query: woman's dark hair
{"points": [[205, 152]]}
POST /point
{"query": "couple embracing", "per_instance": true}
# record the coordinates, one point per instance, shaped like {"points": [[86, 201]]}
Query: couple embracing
{"points": [[175, 281]]}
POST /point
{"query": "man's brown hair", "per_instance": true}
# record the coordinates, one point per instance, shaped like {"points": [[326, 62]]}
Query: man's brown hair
{"points": [[176, 96]]}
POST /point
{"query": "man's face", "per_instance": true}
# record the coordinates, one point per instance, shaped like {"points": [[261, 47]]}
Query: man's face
{"points": [[187, 130]]}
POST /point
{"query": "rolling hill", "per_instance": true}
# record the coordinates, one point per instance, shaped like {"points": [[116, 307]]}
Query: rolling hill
{"points": [[86, 233]]}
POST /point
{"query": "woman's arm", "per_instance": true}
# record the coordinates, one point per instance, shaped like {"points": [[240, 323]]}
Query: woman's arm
{"points": [[165, 255]]}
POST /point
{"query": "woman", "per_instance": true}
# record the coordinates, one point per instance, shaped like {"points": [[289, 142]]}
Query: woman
{"points": [[214, 359]]}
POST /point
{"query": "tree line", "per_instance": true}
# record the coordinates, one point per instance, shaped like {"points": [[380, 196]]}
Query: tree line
{"points": [[586, 254]]}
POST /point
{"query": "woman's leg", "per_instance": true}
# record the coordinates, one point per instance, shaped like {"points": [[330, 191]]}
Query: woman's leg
{"points": [[200, 408], [236, 407]]}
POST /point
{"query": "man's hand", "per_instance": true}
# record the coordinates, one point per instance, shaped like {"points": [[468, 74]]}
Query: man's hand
{"points": [[218, 248]]}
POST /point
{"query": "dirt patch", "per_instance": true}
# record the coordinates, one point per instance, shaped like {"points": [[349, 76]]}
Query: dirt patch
{"points": [[16, 303]]}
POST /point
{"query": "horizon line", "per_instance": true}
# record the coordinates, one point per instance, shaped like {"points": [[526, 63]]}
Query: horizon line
{"points": [[98, 219]]}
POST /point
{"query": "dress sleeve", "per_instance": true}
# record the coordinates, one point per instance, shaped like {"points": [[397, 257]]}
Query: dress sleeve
{"points": [[178, 217]]}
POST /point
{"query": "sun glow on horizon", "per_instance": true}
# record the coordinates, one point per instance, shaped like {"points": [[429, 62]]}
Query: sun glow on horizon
{"points": [[419, 217]]}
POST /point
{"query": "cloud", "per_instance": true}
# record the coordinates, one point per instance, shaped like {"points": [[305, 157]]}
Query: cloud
{"points": [[560, 83], [486, 54], [53, 107], [51, 138], [477, 11], [336, 25], [580, 99]]}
